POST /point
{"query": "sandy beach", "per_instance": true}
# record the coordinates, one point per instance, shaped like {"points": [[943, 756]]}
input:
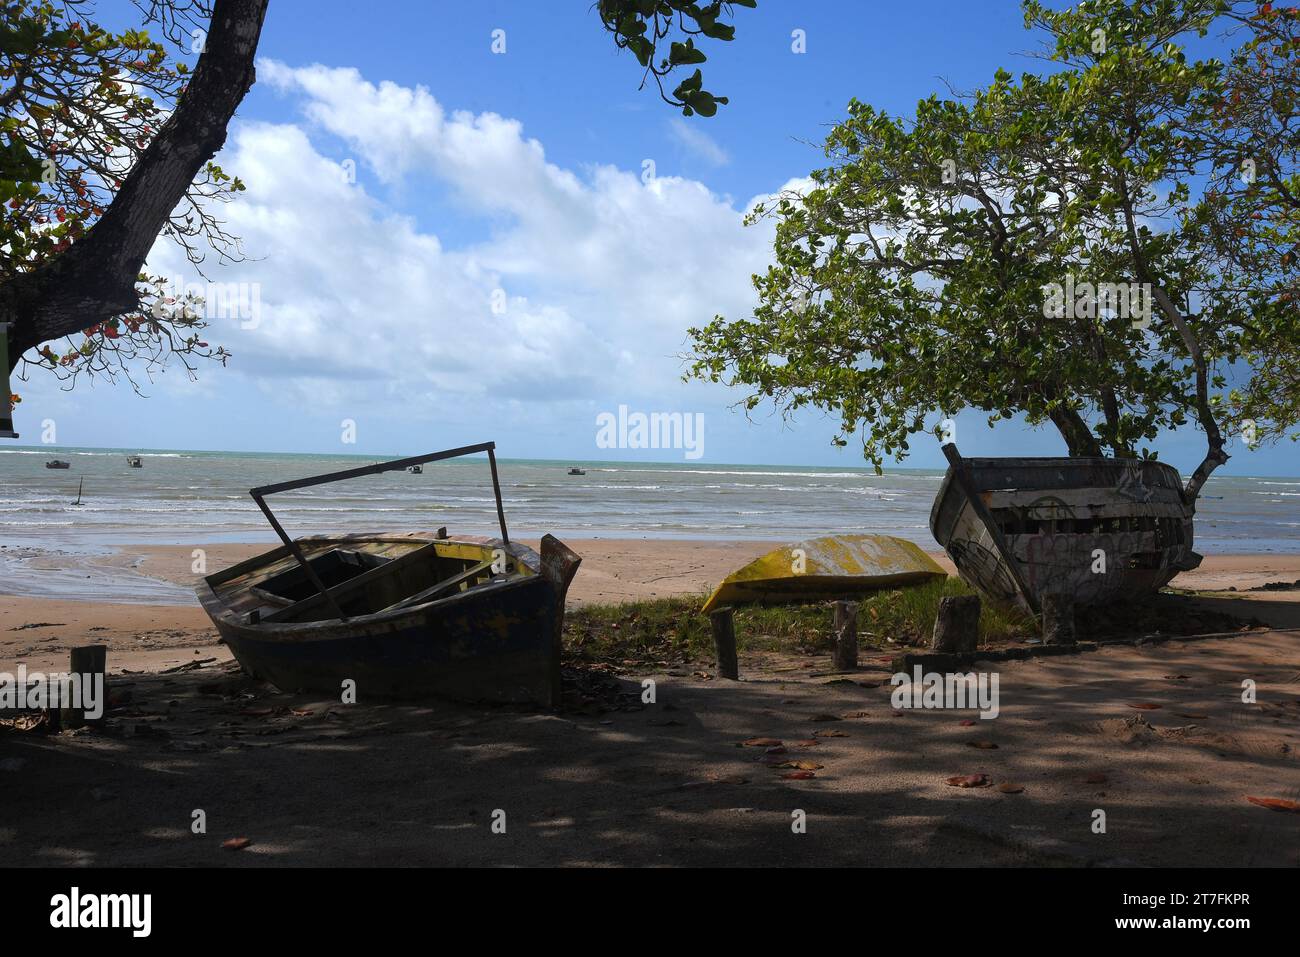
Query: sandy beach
{"points": [[150, 637], [310, 781]]}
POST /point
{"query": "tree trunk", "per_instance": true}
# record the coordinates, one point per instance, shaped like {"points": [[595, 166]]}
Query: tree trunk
{"points": [[94, 280]]}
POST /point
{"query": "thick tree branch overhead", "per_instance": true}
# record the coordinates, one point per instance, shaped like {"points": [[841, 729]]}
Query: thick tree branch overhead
{"points": [[94, 279]]}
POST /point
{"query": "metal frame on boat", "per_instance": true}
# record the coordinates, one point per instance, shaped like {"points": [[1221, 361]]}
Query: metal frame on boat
{"points": [[402, 615]]}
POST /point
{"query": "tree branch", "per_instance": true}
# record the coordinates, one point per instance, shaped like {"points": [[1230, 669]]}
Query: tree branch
{"points": [[94, 280]]}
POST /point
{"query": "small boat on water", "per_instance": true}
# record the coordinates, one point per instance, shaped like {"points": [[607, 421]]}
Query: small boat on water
{"points": [[58, 464], [416, 470], [1097, 529], [403, 615], [577, 471], [834, 566], [133, 461]]}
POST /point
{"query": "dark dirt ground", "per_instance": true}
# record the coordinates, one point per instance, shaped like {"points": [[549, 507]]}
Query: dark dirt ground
{"points": [[614, 782]]}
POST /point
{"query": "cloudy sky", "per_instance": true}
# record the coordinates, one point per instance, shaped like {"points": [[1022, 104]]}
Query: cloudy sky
{"points": [[449, 244]]}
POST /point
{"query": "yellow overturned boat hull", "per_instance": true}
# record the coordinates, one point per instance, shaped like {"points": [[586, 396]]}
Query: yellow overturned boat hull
{"points": [[835, 566]]}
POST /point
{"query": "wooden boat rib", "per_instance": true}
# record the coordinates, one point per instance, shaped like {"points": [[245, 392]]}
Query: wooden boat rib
{"points": [[834, 566], [401, 615], [1021, 528]]}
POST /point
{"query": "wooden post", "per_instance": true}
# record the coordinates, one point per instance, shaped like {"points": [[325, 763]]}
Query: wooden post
{"points": [[846, 635], [1058, 619], [88, 661], [957, 625], [724, 640]]}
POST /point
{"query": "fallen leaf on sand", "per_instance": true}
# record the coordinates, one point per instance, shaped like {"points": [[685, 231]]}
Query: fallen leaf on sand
{"points": [[831, 733], [237, 843], [1275, 804], [778, 749], [983, 745], [969, 781], [726, 779], [762, 743], [802, 765], [968, 723], [848, 715], [798, 775], [1193, 717], [1145, 706], [809, 743], [1096, 778], [302, 712], [1010, 787], [824, 717]]}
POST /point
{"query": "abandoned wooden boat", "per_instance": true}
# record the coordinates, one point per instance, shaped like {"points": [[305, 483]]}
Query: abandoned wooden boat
{"points": [[1097, 529], [834, 566], [58, 464], [401, 615]]}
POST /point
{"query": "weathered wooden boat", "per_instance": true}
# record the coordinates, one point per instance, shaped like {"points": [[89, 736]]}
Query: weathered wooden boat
{"points": [[1096, 529], [834, 566], [58, 464], [402, 615]]}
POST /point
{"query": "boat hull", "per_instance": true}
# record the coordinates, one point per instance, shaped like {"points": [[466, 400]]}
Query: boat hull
{"points": [[1095, 529], [491, 647], [831, 567], [497, 641]]}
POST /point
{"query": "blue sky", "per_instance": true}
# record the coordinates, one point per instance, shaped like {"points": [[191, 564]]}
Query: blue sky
{"points": [[501, 268]]}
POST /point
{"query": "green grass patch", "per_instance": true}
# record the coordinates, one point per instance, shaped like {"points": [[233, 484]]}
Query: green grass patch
{"points": [[672, 630]]}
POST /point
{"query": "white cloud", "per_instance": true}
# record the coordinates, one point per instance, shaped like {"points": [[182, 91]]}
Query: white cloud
{"points": [[600, 273], [698, 142]]}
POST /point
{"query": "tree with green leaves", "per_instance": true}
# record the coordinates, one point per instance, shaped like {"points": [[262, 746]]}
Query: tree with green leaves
{"points": [[107, 142], [1087, 247], [642, 26]]}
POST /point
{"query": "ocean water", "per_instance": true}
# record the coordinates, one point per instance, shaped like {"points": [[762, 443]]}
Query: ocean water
{"points": [[201, 498]]}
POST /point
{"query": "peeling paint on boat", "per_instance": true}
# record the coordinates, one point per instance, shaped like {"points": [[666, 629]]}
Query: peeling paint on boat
{"points": [[833, 566]]}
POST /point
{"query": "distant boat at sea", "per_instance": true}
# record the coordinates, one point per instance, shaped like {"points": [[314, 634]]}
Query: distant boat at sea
{"points": [[58, 464], [416, 470], [577, 471], [134, 462]]}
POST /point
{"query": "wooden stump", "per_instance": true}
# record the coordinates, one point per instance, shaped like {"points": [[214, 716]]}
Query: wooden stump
{"points": [[1058, 619], [957, 625], [846, 635], [88, 661], [724, 640]]}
